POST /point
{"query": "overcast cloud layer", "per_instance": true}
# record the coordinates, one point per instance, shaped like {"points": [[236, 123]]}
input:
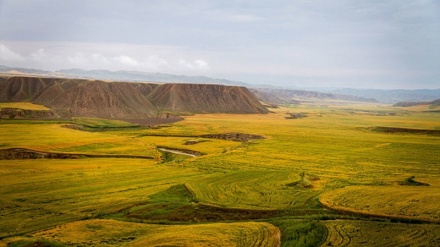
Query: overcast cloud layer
{"points": [[339, 43]]}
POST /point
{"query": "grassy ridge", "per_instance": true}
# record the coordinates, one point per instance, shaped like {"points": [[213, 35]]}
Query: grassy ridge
{"points": [[407, 202], [364, 233], [250, 189], [114, 233], [23, 106]]}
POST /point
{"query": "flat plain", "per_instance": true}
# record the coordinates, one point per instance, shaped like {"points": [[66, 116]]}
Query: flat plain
{"points": [[332, 178]]}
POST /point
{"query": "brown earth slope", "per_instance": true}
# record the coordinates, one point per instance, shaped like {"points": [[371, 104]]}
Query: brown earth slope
{"points": [[77, 97], [205, 98]]}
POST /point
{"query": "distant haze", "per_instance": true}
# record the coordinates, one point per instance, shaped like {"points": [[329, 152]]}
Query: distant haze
{"points": [[339, 43]]}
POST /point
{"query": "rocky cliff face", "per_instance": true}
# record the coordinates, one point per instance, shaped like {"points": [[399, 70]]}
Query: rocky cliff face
{"points": [[76, 97]]}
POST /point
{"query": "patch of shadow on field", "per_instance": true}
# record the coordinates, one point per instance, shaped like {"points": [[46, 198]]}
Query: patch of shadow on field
{"points": [[25, 153], [412, 182], [132, 123], [178, 204], [393, 130], [98, 128], [153, 121], [305, 182], [35, 243], [231, 136], [234, 136]]}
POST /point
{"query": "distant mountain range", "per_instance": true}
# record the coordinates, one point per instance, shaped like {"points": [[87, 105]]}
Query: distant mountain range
{"points": [[392, 96], [431, 104], [144, 76], [15, 70], [265, 93], [126, 76], [288, 96]]}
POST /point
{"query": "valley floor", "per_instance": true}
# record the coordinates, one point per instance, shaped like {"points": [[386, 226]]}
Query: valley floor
{"points": [[335, 177]]}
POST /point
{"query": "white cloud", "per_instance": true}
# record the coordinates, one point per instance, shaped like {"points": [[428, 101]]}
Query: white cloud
{"points": [[7, 55], [78, 59], [201, 64], [194, 65], [126, 61], [155, 63], [54, 56], [243, 18], [39, 56], [98, 58]]}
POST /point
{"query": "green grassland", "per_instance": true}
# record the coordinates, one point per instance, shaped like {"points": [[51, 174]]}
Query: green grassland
{"points": [[329, 178]]}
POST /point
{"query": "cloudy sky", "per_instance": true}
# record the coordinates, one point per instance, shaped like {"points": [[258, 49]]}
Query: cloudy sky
{"points": [[320, 43]]}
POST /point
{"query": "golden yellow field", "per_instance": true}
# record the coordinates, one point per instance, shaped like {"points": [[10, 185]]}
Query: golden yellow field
{"points": [[407, 202], [23, 105], [343, 172], [117, 233], [365, 233]]}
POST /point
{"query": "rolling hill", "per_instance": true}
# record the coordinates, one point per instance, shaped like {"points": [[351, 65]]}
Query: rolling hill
{"points": [[392, 96], [434, 103], [288, 96], [93, 98], [427, 106], [205, 98]]}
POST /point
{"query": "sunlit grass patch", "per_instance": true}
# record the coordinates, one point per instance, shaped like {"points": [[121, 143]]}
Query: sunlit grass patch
{"points": [[117, 233], [207, 146], [127, 147], [23, 106], [48, 137], [251, 190], [365, 233], [51, 192], [406, 202]]}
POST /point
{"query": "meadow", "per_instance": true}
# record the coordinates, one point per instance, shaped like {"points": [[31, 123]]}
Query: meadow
{"points": [[331, 178]]}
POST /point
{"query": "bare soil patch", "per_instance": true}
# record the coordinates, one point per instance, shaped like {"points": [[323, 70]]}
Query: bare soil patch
{"points": [[234, 136], [24, 153]]}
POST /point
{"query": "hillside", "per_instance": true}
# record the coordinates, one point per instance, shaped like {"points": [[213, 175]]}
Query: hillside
{"points": [[392, 96], [431, 106], [79, 97], [287, 96], [434, 103], [204, 98]]}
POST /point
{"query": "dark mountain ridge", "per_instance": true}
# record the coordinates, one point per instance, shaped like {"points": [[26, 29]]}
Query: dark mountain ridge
{"points": [[92, 98]]}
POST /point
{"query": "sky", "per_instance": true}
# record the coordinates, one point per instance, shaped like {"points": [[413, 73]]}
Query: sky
{"points": [[299, 43]]}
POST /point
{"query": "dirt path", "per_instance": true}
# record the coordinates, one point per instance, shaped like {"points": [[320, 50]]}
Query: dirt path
{"points": [[177, 152]]}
